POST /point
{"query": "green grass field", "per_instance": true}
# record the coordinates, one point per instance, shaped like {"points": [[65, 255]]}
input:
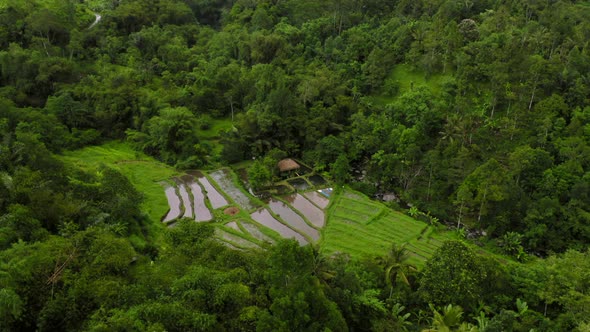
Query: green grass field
{"points": [[406, 77], [362, 227], [212, 135], [217, 126], [144, 172]]}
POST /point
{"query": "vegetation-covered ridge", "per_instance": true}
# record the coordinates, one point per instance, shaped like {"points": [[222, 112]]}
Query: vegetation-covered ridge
{"points": [[473, 113]]}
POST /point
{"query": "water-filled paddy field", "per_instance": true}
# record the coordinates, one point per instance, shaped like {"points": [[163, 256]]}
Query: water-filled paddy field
{"points": [[216, 199], [299, 184], [202, 212], [198, 195], [173, 202], [314, 214], [264, 217], [336, 221], [294, 220], [224, 179], [353, 223], [318, 199]]}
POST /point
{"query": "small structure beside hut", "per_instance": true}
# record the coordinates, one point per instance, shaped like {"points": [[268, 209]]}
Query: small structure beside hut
{"points": [[288, 166]]}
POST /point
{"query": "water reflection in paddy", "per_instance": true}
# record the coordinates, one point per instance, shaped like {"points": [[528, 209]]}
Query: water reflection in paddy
{"points": [[233, 225], [264, 217], [186, 200], [235, 239], [255, 232], [310, 211], [292, 218], [173, 203], [216, 199], [299, 184], [224, 180], [202, 213], [317, 180], [317, 198]]}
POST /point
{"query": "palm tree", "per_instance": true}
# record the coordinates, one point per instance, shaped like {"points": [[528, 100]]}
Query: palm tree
{"points": [[449, 320], [414, 212], [396, 267], [400, 318], [321, 268]]}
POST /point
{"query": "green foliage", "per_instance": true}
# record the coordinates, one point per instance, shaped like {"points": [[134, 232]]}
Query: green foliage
{"points": [[11, 307], [171, 137], [475, 111], [259, 175], [143, 172], [511, 243], [400, 318], [450, 318], [340, 170], [567, 275], [453, 275]]}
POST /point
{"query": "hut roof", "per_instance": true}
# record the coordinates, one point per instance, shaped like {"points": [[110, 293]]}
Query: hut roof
{"points": [[288, 164]]}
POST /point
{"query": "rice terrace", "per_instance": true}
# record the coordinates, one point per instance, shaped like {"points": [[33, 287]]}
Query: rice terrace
{"points": [[303, 207], [295, 165], [336, 220]]}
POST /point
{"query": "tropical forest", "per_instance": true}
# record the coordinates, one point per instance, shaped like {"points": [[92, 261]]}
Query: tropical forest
{"points": [[295, 165]]}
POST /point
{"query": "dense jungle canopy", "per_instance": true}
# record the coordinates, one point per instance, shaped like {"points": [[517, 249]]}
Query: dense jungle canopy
{"points": [[474, 114]]}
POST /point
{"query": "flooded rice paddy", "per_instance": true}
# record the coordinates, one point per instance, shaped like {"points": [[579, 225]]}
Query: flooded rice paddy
{"points": [[317, 180], [318, 199], [173, 203], [224, 180], [233, 225], [215, 198], [186, 200], [202, 213], [234, 239], [264, 217], [303, 169], [292, 218], [326, 192], [257, 233], [314, 214], [299, 184], [299, 216], [187, 195]]}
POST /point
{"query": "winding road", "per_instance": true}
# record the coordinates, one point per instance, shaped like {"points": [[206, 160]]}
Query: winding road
{"points": [[98, 18]]}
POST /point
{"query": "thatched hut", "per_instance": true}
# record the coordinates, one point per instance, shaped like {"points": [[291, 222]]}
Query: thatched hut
{"points": [[288, 165]]}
